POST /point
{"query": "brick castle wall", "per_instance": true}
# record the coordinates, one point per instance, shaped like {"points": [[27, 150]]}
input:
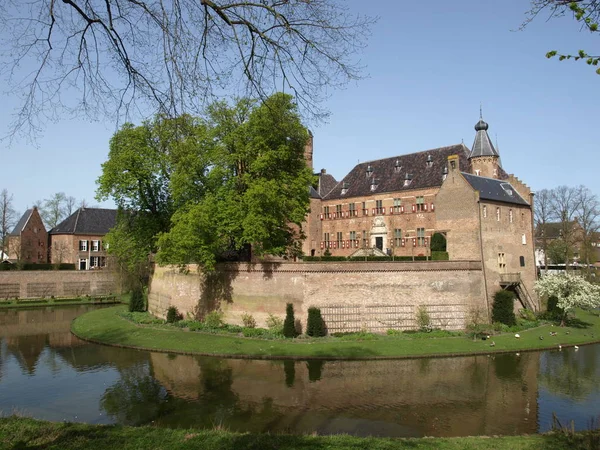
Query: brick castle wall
{"points": [[352, 295], [63, 283]]}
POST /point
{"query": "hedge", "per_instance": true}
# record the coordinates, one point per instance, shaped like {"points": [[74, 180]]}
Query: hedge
{"points": [[32, 266]]}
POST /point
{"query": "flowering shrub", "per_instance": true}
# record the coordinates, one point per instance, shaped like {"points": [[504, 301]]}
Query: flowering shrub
{"points": [[571, 291]]}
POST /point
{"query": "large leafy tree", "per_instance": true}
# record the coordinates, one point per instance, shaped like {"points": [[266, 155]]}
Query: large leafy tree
{"points": [[193, 190], [151, 169], [171, 56], [572, 291], [256, 188]]}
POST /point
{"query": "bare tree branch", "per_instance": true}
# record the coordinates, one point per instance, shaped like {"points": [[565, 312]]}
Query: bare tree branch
{"points": [[115, 58]]}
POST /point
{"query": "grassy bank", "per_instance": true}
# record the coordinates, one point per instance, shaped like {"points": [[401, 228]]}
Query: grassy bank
{"points": [[20, 433], [34, 302], [108, 327]]}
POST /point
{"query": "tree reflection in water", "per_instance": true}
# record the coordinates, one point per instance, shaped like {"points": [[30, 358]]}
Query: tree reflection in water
{"points": [[137, 398], [569, 373]]}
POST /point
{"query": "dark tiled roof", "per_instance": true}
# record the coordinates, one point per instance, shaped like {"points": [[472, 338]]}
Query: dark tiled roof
{"points": [[21, 223], [389, 179], [495, 190], [326, 183], [313, 192], [87, 221], [482, 146]]}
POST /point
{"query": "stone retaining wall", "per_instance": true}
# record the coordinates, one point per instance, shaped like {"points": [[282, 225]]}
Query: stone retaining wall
{"points": [[353, 296], [57, 283]]}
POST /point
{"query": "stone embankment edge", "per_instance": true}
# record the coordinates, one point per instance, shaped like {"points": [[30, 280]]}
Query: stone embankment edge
{"points": [[59, 304], [328, 358]]}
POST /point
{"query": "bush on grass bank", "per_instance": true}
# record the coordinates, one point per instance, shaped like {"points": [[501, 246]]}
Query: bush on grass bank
{"points": [[137, 302], [503, 308], [289, 325], [173, 315], [315, 326]]}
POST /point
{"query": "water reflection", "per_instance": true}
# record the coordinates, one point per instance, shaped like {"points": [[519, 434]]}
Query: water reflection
{"points": [[48, 373]]}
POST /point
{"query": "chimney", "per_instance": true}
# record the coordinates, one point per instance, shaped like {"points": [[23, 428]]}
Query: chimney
{"points": [[453, 164], [323, 171]]}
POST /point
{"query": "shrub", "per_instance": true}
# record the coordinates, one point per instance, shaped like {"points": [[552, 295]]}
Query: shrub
{"points": [[214, 319], [438, 243], [136, 302], [275, 324], [248, 321], [173, 315], [315, 326], [553, 311], [423, 318], [289, 328], [502, 309]]}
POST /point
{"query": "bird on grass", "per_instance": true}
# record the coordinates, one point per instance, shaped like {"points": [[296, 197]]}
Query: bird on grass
{"points": [[541, 338], [517, 335], [493, 344]]}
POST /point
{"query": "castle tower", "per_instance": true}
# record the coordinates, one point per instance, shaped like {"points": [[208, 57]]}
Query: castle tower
{"points": [[485, 160], [308, 150]]}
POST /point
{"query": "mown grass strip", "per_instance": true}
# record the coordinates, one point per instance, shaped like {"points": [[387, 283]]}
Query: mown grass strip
{"points": [[105, 326], [22, 433]]}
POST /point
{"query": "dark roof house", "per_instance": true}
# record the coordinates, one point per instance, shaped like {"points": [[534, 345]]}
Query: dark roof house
{"points": [[90, 221], [20, 226]]}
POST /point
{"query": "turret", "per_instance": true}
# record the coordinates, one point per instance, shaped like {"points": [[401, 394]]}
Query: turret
{"points": [[485, 160]]}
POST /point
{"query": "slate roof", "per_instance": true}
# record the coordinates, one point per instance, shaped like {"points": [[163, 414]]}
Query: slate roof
{"points": [[390, 179], [21, 223], [325, 183], [482, 146], [87, 221], [495, 190]]}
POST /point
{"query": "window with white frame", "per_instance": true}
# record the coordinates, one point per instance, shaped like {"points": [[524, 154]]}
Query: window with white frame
{"points": [[421, 237], [83, 246], [397, 237], [498, 214], [420, 203], [484, 211], [94, 261], [378, 206], [353, 241], [501, 262], [397, 205], [95, 246], [339, 239], [364, 238], [510, 215]]}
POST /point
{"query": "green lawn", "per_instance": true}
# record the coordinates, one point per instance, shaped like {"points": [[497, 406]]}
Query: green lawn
{"points": [[108, 327], [20, 433]]}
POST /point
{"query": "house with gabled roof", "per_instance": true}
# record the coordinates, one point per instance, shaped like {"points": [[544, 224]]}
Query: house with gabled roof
{"points": [[79, 238], [394, 206], [27, 242]]}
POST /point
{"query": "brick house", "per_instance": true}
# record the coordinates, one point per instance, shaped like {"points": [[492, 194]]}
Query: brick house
{"points": [[27, 242], [79, 238], [394, 206]]}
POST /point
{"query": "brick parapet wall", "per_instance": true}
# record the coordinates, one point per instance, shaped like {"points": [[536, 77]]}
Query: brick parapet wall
{"points": [[60, 283], [352, 295]]}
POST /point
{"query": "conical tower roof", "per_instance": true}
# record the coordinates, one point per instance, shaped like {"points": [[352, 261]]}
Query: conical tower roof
{"points": [[483, 144]]}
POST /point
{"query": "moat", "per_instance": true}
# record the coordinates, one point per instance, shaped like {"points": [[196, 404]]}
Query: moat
{"points": [[47, 373]]}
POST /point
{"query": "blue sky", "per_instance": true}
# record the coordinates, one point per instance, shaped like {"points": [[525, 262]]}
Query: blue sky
{"points": [[429, 65]]}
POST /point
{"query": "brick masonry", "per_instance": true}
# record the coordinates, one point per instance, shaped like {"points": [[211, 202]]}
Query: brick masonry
{"points": [[63, 283], [352, 295]]}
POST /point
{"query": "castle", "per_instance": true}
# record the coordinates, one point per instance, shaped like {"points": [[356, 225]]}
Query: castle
{"points": [[390, 207], [394, 206]]}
